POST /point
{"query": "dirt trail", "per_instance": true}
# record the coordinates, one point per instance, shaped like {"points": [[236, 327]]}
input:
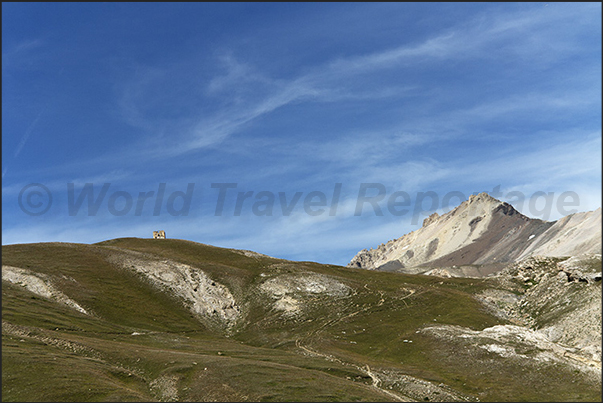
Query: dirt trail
{"points": [[364, 368], [367, 370]]}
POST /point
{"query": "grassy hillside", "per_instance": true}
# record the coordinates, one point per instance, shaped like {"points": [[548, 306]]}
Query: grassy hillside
{"points": [[349, 335]]}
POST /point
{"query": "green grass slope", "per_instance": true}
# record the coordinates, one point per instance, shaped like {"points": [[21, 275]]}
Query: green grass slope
{"points": [[141, 342]]}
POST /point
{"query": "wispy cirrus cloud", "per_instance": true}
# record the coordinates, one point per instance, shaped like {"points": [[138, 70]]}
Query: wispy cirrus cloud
{"points": [[250, 94], [21, 54]]}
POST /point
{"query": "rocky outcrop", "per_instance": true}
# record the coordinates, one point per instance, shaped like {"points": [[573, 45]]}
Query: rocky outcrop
{"points": [[430, 219], [559, 298], [584, 268], [554, 309], [209, 300], [523, 345], [289, 291], [39, 284], [483, 231]]}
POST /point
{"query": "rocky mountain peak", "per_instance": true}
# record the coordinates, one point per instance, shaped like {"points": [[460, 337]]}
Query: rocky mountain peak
{"points": [[482, 197], [483, 200], [477, 205], [483, 231]]}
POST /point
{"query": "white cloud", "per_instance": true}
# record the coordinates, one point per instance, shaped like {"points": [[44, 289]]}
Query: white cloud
{"points": [[243, 94]]}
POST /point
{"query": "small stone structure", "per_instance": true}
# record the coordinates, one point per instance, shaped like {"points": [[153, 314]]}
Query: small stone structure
{"points": [[158, 234]]}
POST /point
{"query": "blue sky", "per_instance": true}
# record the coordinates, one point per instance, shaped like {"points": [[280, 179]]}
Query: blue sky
{"points": [[290, 99]]}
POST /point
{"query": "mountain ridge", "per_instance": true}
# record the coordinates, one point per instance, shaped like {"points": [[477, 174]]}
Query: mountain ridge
{"points": [[484, 231]]}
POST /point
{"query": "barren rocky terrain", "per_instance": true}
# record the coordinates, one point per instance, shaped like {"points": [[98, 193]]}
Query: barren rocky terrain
{"points": [[39, 284], [485, 233]]}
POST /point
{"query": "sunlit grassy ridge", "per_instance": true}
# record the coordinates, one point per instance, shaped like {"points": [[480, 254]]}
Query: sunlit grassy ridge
{"points": [[142, 343]]}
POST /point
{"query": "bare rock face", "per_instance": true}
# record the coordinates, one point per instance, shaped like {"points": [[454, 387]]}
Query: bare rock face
{"points": [[584, 268], [430, 219], [573, 235], [530, 347], [444, 236], [565, 304], [554, 305], [559, 298], [206, 298], [483, 231], [38, 284], [365, 259], [289, 291]]}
